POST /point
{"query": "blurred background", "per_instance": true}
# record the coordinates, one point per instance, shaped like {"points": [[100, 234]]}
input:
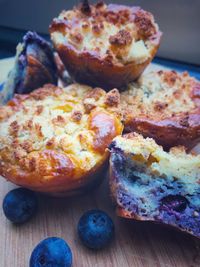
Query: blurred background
{"points": [[178, 19]]}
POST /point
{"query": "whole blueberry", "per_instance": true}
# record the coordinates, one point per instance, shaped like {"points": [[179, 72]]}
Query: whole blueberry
{"points": [[51, 252], [95, 229], [19, 205]]}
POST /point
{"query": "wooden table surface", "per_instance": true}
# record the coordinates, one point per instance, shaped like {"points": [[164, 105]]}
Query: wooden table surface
{"points": [[136, 244]]}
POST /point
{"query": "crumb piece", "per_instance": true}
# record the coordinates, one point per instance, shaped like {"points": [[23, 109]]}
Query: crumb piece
{"points": [[122, 38], [14, 128], [112, 98], [76, 115], [39, 109]]}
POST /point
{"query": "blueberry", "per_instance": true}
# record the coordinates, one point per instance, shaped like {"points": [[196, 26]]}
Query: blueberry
{"points": [[174, 202], [51, 252], [95, 229], [19, 205]]}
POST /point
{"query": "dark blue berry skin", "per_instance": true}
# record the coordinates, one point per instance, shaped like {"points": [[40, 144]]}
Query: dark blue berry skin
{"points": [[51, 252], [19, 205], [95, 229], [1, 86]]}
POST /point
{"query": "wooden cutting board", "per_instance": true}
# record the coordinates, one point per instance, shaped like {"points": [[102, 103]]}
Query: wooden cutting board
{"points": [[136, 244]]}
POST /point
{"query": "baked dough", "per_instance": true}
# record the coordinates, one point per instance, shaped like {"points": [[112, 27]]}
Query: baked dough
{"points": [[149, 184], [54, 140], [105, 45], [165, 106]]}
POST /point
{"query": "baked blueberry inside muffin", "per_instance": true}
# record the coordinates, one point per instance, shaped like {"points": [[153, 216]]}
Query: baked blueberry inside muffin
{"points": [[150, 184], [54, 139], [105, 45]]}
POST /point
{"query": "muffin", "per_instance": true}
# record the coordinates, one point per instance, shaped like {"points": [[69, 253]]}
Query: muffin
{"points": [[149, 184], [165, 106], [105, 45], [34, 66], [54, 140]]}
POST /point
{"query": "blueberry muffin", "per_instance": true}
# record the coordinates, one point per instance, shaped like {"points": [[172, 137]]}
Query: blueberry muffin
{"points": [[34, 66], [54, 140], [150, 184], [165, 106], [105, 45]]}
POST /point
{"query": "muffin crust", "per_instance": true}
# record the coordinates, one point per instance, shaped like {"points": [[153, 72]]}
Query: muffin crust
{"points": [[54, 139], [164, 105], [114, 39]]}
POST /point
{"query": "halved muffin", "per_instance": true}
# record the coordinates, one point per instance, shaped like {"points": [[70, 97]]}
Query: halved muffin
{"points": [[34, 66], [149, 184], [54, 140], [165, 106], [105, 45]]}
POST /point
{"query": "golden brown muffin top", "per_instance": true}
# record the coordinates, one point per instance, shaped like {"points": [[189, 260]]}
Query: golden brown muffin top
{"points": [[160, 95], [57, 132], [118, 33], [175, 163]]}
